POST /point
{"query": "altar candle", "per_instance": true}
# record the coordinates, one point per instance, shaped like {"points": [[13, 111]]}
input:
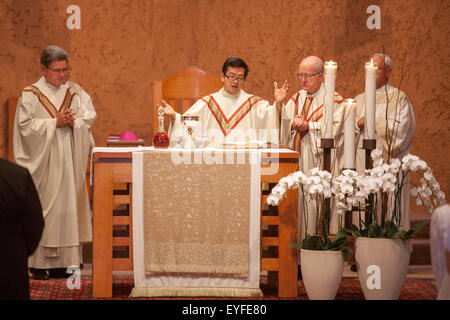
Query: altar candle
{"points": [[330, 79], [349, 134], [371, 87]]}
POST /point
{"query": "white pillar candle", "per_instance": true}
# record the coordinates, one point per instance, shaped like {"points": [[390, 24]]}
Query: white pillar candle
{"points": [[329, 81], [349, 133], [371, 87]]}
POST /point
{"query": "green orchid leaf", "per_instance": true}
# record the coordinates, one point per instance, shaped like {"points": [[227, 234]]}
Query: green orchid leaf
{"points": [[409, 234], [312, 243], [347, 249], [319, 242], [340, 235], [375, 230], [339, 243], [295, 245], [420, 225], [399, 235], [391, 229], [305, 243], [353, 230]]}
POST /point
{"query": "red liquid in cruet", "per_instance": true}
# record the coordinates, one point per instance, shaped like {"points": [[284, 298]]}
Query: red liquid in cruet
{"points": [[161, 140]]}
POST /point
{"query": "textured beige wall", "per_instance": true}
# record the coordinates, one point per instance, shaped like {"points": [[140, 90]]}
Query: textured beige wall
{"points": [[124, 45]]}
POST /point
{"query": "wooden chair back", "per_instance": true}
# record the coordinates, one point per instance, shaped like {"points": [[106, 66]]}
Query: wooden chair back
{"points": [[182, 90]]}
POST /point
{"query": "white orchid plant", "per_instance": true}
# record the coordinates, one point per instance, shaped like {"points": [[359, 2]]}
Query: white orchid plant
{"points": [[385, 183], [377, 193], [316, 187]]}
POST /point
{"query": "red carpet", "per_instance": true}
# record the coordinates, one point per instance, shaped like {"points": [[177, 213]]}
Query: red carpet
{"points": [[349, 289]]}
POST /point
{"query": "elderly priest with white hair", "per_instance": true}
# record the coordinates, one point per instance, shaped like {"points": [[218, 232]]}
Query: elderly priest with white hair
{"points": [[302, 125], [394, 125]]}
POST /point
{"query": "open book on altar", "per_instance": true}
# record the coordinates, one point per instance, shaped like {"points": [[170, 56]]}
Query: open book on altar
{"points": [[251, 145]]}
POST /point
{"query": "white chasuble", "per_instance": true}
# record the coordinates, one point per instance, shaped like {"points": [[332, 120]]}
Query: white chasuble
{"points": [[57, 160], [311, 108], [394, 131], [227, 119]]}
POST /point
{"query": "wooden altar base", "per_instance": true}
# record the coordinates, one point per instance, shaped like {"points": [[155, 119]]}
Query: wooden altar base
{"points": [[113, 230]]}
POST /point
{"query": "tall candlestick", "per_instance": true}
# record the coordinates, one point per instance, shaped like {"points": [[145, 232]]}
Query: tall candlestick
{"points": [[349, 133], [330, 79], [371, 87]]}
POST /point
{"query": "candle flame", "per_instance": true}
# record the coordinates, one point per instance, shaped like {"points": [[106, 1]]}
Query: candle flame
{"points": [[350, 104], [330, 63], [350, 101], [371, 64]]}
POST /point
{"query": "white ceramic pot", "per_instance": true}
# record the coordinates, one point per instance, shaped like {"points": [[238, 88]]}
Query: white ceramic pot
{"points": [[382, 266], [321, 272]]}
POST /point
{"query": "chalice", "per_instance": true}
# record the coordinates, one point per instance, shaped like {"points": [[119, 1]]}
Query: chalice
{"points": [[190, 122]]}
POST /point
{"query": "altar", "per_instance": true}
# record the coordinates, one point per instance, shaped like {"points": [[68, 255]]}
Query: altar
{"points": [[195, 222]]}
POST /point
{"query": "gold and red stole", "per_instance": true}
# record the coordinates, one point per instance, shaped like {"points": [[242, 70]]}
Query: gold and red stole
{"points": [[226, 125], [48, 105], [315, 116]]}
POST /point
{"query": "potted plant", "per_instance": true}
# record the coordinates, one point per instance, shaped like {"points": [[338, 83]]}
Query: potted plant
{"points": [[322, 255], [382, 247]]}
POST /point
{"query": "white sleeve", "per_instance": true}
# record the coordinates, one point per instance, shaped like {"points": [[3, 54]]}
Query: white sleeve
{"points": [[287, 117]]}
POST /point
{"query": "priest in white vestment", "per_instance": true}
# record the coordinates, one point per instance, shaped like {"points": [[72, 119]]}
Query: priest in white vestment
{"points": [[231, 116], [51, 138], [393, 110], [303, 126]]}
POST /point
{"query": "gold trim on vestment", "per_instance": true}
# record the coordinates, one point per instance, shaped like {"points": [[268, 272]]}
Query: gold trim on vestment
{"points": [[47, 104], [51, 252], [226, 125]]}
